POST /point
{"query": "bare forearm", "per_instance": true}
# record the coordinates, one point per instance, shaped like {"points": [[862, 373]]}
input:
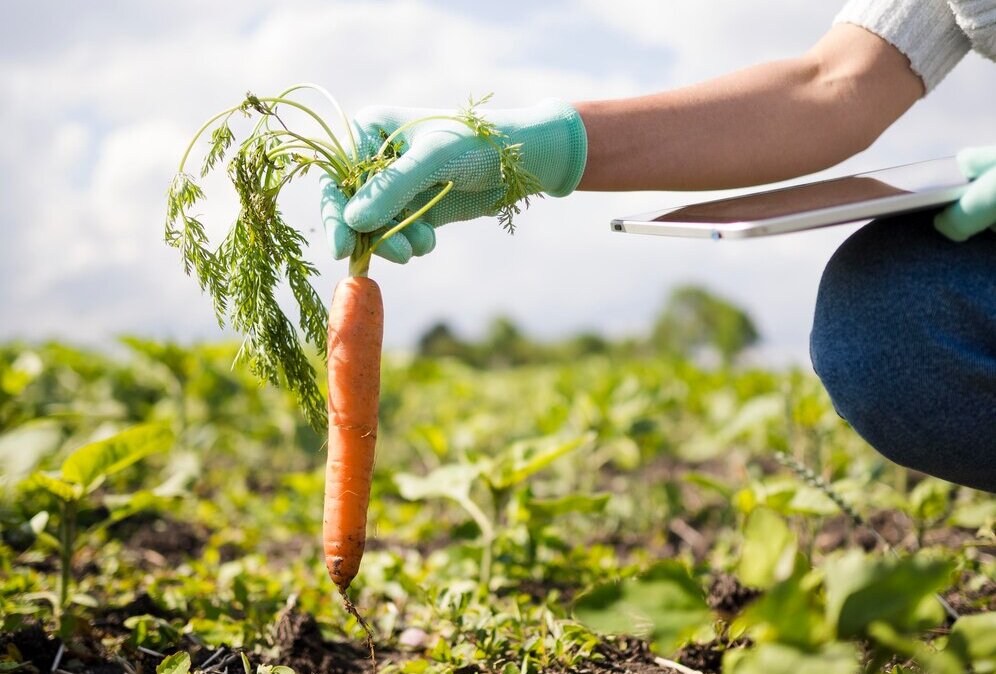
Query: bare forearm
{"points": [[762, 124]]}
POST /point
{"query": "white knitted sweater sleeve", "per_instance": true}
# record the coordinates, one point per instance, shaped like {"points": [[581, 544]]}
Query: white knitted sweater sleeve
{"points": [[924, 30]]}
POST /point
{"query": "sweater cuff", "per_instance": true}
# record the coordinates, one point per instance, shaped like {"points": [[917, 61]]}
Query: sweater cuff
{"points": [[924, 31]]}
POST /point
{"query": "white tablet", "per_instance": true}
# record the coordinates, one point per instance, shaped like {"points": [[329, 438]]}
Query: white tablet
{"points": [[901, 189]]}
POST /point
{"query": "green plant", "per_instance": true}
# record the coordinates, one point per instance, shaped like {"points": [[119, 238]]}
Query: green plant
{"points": [[261, 248], [498, 476], [81, 475], [679, 475]]}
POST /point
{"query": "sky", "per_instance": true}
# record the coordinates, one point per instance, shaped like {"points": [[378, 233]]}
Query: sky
{"points": [[100, 98]]}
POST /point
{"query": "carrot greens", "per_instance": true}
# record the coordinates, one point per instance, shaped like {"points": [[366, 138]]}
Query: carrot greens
{"points": [[261, 252]]}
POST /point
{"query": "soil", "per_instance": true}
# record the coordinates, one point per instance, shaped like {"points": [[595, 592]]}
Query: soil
{"points": [[967, 598], [728, 597], [895, 528], [625, 544], [708, 658], [162, 540], [143, 604], [540, 590], [34, 645], [300, 646], [840, 532], [624, 654]]}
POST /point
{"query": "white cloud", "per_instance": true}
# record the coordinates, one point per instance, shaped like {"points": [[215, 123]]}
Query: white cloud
{"points": [[715, 37]]}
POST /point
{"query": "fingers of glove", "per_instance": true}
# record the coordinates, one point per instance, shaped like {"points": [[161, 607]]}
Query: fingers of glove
{"points": [[395, 249], [421, 236], [975, 161], [341, 238], [975, 211], [385, 194], [457, 206]]}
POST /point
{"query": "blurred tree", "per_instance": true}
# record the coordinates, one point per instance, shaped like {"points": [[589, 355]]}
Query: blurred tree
{"points": [[586, 344], [505, 345], [694, 319], [439, 341]]}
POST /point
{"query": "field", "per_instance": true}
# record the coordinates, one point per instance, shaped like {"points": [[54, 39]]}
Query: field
{"points": [[588, 511]]}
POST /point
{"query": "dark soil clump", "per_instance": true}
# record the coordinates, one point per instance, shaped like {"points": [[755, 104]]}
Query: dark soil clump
{"points": [[728, 597], [300, 646], [540, 590], [624, 654], [972, 597], [894, 527], [173, 540], [707, 658], [34, 645], [143, 604]]}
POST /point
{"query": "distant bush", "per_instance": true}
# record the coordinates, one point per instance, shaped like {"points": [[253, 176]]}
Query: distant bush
{"points": [[694, 320], [692, 324]]}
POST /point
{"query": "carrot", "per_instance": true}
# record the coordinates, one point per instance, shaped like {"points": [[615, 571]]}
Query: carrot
{"points": [[356, 331]]}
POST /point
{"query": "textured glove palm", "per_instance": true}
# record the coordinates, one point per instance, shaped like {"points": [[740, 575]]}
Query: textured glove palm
{"points": [[976, 210], [552, 143]]}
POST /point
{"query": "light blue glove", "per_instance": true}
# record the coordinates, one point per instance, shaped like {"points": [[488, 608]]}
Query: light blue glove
{"points": [[418, 238], [553, 146], [976, 210]]}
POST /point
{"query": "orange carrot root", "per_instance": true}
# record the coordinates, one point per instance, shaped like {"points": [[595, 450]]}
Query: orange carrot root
{"points": [[356, 332]]}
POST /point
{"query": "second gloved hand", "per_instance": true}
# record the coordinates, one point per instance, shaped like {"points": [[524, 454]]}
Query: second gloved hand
{"points": [[976, 210], [552, 144]]}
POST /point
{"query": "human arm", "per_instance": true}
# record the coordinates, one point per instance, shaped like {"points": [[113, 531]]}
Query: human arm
{"points": [[765, 123]]}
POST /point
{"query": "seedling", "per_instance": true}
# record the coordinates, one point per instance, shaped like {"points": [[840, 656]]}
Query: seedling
{"points": [[81, 475], [498, 476]]}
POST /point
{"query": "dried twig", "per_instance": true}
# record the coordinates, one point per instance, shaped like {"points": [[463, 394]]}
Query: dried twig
{"points": [[677, 666]]}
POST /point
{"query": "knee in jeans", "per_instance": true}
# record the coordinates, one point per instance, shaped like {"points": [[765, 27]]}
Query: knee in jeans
{"points": [[901, 366]]}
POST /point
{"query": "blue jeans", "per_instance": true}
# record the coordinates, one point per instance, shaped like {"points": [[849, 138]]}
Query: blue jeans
{"points": [[904, 340]]}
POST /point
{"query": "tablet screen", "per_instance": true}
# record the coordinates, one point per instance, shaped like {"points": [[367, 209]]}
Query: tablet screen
{"points": [[925, 176]]}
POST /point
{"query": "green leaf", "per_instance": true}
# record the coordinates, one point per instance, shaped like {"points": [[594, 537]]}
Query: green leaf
{"points": [[39, 522], [768, 552], [178, 663], [221, 632], [780, 659], [452, 481], [549, 508], [892, 643], [974, 515], [973, 638], [22, 448], [861, 590], [709, 483], [664, 605], [53, 485], [528, 457], [151, 632], [791, 612], [809, 500], [91, 463], [930, 499], [83, 599]]}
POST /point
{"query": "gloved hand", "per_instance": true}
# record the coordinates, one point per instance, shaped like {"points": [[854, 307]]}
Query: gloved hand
{"points": [[976, 210], [553, 146], [418, 238]]}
